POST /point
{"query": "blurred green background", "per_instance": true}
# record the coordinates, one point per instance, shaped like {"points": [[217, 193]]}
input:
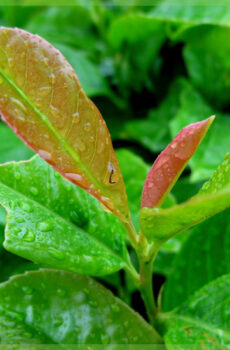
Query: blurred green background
{"points": [[151, 70]]}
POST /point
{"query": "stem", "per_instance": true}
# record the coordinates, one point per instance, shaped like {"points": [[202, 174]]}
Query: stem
{"points": [[146, 288]]}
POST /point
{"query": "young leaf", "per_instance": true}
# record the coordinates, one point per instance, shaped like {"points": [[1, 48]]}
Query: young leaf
{"points": [[203, 320], [55, 223], [204, 257], [54, 307], [214, 196], [171, 162], [43, 102]]}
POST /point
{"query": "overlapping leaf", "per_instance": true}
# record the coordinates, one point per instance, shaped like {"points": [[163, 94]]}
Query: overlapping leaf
{"points": [[203, 257], [54, 307], [160, 224], [171, 162], [203, 321], [43, 102], [55, 223]]}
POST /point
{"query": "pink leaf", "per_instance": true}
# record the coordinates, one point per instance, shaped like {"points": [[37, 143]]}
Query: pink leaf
{"points": [[171, 162]]}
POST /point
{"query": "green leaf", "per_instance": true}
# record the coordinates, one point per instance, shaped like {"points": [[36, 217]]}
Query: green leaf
{"points": [[44, 103], [70, 25], [11, 265], [136, 40], [207, 62], [194, 14], [204, 257], [192, 108], [161, 224], [11, 147], [203, 320], [54, 223], [54, 307]]}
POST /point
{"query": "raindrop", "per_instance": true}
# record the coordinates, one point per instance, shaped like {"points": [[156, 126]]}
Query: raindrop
{"points": [[29, 236], [45, 61], [174, 145], [44, 154], [27, 207], [61, 292], [18, 104], [45, 226], [74, 177], [44, 91], [56, 253], [87, 126], [17, 176], [34, 191]]}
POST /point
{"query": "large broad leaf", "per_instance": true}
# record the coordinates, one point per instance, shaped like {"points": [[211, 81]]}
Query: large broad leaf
{"points": [[203, 320], [11, 148], [207, 62], [55, 223], [171, 162], [161, 224], [54, 307], [203, 257], [191, 108], [43, 102], [194, 13]]}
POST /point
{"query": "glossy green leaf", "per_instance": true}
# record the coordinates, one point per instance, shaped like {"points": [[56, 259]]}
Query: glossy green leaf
{"points": [[194, 13], [161, 224], [171, 162], [54, 307], [210, 154], [203, 320], [203, 257], [55, 223], [44, 104], [207, 63], [11, 147]]}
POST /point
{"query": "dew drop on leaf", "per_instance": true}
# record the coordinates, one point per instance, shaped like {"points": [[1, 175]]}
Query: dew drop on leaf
{"points": [[29, 236], [45, 226], [57, 254]]}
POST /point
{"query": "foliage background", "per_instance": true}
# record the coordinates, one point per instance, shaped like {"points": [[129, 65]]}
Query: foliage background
{"points": [[151, 70]]}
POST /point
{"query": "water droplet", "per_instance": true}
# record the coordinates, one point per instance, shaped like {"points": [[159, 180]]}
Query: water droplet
{"points": [[44, 91], [34, 191], [27, 290], [104, 199], [61, 292], [45, 226], [57, 175], [87, 126], [52, 78], [115, 307], [76, 115], [44, 154], [18, 104], [45, 61], [74, 177], [91, 139], [29, 236], [27, 207], [17, 176], [56, 253]]}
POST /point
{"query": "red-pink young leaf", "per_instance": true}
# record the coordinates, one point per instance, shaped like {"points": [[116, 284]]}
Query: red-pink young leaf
{"points": [[42, 100], [171, 162]]}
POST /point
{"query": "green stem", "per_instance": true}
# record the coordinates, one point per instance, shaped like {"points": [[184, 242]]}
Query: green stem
{"points": [[146, 288]]}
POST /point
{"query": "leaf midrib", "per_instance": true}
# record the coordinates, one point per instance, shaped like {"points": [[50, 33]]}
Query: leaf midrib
{"points": [[47, 122], [69, 223]]}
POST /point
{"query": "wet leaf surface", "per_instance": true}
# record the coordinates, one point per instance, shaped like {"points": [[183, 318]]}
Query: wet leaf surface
{"points": [[54, 307], [55, 223], [43, 102]]}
